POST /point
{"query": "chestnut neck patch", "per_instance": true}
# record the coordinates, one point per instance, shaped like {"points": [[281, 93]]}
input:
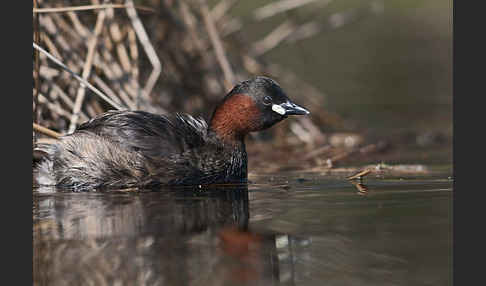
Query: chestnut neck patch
{"points": [[236, 117]]}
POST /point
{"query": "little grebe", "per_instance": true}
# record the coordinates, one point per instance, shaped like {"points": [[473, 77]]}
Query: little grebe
{"points": [[120, 149]]}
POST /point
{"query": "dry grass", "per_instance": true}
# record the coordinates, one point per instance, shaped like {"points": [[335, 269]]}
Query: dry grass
{"points": [[167, 56]]}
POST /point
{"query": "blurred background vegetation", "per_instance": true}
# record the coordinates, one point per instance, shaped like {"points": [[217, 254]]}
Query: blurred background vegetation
{"points": [[381, 70], [387, 66]]}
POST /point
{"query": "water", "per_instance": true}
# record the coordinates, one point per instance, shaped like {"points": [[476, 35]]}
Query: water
{"points": [[285, 229]]}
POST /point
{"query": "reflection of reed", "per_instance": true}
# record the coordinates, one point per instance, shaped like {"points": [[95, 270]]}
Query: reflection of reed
{"points": [[362, 188], [357, 180]]}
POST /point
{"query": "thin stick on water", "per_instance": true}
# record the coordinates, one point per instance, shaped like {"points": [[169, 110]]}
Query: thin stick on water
{"points": [[76, 76], [217, 45], [149, 49], [78, 103], [46, 131]]}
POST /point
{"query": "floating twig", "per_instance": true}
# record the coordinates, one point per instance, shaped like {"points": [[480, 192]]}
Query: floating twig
{"points": [[359, 175]]}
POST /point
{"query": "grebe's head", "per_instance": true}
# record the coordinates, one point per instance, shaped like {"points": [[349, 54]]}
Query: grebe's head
{"points": [[253, 105]]}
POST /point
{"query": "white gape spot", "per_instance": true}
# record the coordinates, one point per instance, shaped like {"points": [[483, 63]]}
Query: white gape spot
{"points": [[279, 109]]}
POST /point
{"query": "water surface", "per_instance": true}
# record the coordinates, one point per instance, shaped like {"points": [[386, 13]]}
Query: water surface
{"points": [[280, 230]]}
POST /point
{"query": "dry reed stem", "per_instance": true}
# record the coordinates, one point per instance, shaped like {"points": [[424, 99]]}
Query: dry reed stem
{"points": [[304, 31], [48, 23], [91, 110], [36, 68], [109, 66], [301, 133], [62, 95], [315, 132], [131, 86], [88, 7], [149, 49], [67, 39], [76, 76], [232, 25], [54, 107], [46, 131], [57, 92], [191, 23], [114, 72], [220, 9], [74, 63], [58, 29], [99, 82], [132, 46], [317, 152], [84, 32], [48, 72], [60, 23], [229, 75], [117, 38], [274, 8], [87, 70], [273, 39], [50, 45]]}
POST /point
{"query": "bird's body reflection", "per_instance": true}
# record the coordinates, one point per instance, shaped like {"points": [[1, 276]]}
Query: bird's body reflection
{"points": [[170, 237]]}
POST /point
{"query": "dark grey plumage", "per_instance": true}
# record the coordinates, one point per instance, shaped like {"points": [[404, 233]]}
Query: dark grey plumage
{"points": [[121, 149]]}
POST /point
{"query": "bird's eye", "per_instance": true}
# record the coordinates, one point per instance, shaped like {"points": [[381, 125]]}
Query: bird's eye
{"points": [[267, 100]]}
